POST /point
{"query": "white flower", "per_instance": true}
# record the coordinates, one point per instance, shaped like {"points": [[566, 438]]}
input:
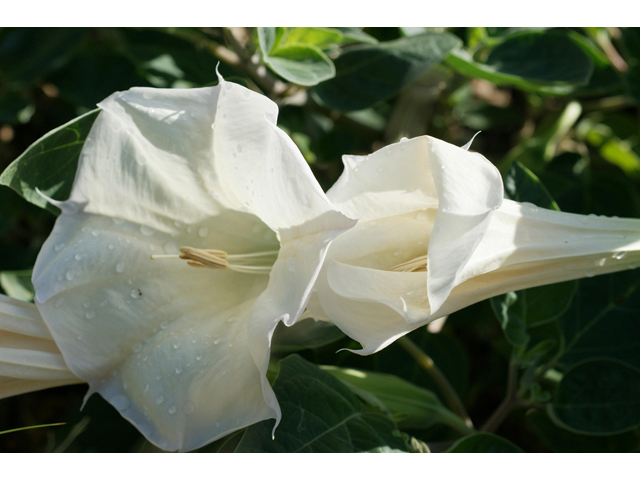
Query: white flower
{"points": [[29, 358], [193, 227], [435, 235]]}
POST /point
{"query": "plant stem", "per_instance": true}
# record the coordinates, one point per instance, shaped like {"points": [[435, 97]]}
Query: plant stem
{"points": [[507, 405], [427, 363]]}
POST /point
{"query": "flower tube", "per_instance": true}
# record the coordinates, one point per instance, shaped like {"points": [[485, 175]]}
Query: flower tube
{"points": [[194, 227], [435, 235]]}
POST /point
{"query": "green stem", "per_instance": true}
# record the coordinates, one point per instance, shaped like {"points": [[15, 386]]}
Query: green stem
{"points": [[507, 405], [427, 363]]}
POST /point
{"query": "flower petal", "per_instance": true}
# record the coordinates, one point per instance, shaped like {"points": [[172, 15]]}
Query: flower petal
{"points": [[393, 180], [165, 343], [469, 189]]}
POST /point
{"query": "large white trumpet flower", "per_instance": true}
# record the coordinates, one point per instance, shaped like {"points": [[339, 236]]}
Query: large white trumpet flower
{"points": [[194, 226], [436, 235]]}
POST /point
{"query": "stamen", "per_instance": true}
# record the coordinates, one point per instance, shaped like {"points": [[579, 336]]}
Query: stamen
{"points": [[418, 264], [207, 258]]}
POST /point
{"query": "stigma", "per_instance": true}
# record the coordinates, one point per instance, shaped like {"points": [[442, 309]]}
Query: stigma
{"points": [[219, 259]]}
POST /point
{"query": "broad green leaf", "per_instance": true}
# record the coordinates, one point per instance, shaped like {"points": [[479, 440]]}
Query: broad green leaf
{"points": [[530, 308], [353, 34], [602, 320], [366, 75], [318, 37], [561, 440], [598, 396], [50, 163], [18, 285], [545, 62], [269, 38], [412, 406], [319, 414], [484, 443], [301, 64], [307, 333], [522, 185]]}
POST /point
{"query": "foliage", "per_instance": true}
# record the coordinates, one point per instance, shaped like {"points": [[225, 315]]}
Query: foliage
{"points": [[553, 368]]}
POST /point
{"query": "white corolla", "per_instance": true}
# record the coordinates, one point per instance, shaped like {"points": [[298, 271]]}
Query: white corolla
{"points": [[435, 234], [193, 228]]}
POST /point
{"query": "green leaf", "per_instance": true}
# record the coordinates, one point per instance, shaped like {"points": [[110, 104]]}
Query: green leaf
{"points": [[530, 308], [301, 64], [268, 38], [304, 334], [50, 163], [603, 320], [412, 406], [522, 185], [353, 34], [561, 440], [321, 38], [598, 396], [319, 414], [484, 443], [366, 75], [544, 62], [18, 285]]}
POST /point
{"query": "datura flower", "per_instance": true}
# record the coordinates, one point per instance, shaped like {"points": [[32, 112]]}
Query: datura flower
{"points": [[435, 234], [194, 226]]}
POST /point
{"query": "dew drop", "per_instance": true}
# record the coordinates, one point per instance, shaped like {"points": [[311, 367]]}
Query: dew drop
{"points": [[146, 387], [111, 246], [232, 319], [152, 247], [59, 247], [79, 337], [178, 370], [137, 347], [590, 273], [136, 293], [176, 346], [78, 256], [216, 342], [70, 275], [191, 229], [90, 314], [620, 255], [171, 248], [121, 267], [117, 220], [172, 409], [164, 325], [95, 232], [146, 230], [199, 357], [203, 232], [159, 399], [217, 424]]}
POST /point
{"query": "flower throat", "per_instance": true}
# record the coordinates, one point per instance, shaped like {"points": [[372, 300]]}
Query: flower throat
{"points": [[219, 259]]}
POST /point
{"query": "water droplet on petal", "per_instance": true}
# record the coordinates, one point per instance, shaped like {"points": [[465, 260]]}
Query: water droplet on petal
{"points": [[146, 387], [111, 246], [178, 370], [121, 267], [137, 347], [203, 232], [232, 319], [95, 232], [590, 273], [136, 293], [90, 314], [159, 399], [217, 424], [199, 357], [172, 409], [176, 346], [78, 256], [620, 255], [216, 342], [70, 275], [59, 247]]}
